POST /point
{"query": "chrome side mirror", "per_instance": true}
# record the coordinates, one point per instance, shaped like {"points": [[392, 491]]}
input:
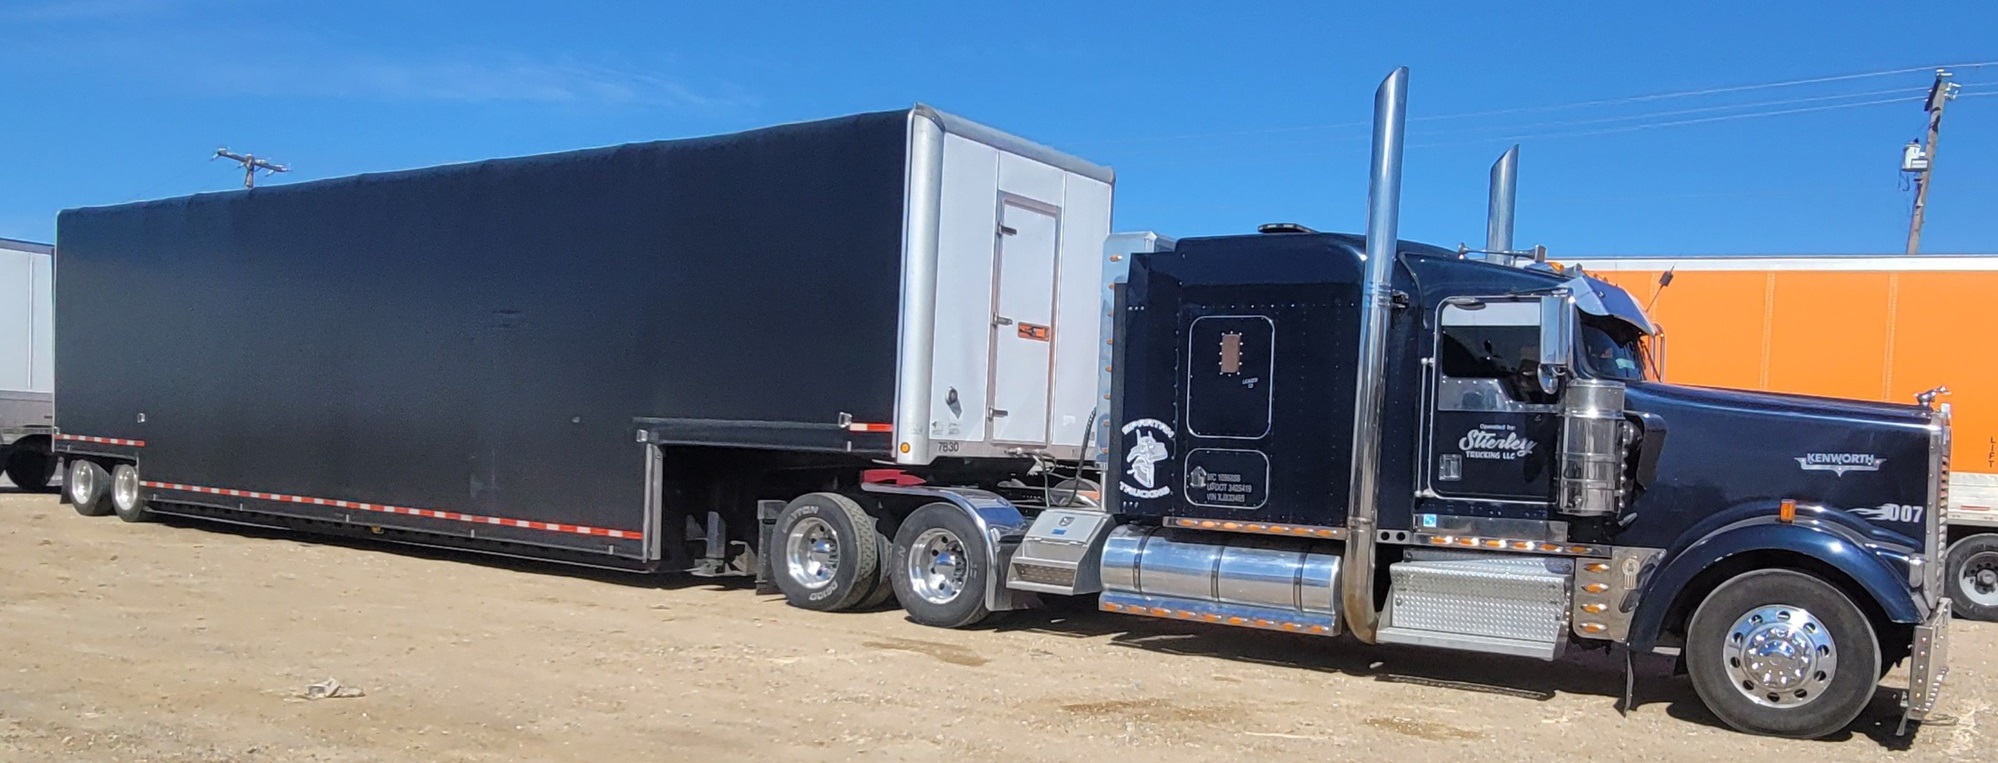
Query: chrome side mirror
{"points": [[1557, 340]]}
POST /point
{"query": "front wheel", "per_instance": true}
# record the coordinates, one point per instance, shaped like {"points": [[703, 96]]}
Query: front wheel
{"points": [[1782, 653], [941, 567], [1970, 577]]}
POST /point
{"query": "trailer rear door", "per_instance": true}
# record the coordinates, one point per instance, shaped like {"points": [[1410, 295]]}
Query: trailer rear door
{"points": [[1023, 320]]}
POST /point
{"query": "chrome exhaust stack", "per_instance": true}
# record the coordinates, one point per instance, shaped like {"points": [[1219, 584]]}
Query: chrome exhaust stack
{"points": [[1383, 237], [1505, 190]]}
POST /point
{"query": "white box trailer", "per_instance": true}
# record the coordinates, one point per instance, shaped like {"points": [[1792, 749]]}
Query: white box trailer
{"points": [[27, 370]]}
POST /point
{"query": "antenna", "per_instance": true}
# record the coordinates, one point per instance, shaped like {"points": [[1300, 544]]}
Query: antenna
{"points": [[251, 163]]}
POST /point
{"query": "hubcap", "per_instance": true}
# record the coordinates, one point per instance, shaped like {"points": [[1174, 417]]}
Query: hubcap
{"points": [[1979, 579], [937, 566], [82, 482], [811, 552], [125, 488], [1780, 656]]}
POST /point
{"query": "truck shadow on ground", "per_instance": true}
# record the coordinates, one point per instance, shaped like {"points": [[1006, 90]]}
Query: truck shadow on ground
{"points": [[1585, 672], [622, 577]]}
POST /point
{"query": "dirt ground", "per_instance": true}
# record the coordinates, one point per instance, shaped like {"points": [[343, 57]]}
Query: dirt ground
{"points": [[193, 642]]}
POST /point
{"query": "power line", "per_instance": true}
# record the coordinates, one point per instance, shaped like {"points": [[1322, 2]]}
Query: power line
{"points": [[1909, 91], [1705, 90], [1573, 104]]}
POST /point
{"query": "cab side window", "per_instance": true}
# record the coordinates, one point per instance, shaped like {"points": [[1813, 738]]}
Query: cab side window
{"points": [[1495, 341]]}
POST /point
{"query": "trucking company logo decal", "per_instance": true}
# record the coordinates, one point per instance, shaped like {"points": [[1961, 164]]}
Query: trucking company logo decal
{"points": [[1892, 512], [1495, 442], [1840, 463], [1145, 445]]}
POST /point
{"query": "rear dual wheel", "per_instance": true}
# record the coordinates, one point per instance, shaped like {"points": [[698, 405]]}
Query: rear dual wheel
{"points": [[95, 491], [88, 485], [941, 568], [827, 554]]}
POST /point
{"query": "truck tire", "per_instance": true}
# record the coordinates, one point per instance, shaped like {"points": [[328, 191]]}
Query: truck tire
{"points": [[86, 482], [1970, 576], [826, 557], [940, 569], [884, 589], [128, 496], [31, 469], [1782, 653]]}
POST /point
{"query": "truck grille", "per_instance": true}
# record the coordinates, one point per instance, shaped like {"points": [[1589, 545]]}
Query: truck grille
{"points": [[1937, 523]]}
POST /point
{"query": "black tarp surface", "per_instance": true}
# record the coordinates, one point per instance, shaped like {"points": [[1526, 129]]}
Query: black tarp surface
{"points": [[481, 337]]}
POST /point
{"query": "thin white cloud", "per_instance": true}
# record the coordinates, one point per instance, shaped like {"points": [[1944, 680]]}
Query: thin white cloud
{"points": [[462, 78], [78, 10]]}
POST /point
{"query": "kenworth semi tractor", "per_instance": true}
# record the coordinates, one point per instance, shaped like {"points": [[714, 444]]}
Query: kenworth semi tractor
{"points": [[27, 410], [888, 356], [1899, 322]]}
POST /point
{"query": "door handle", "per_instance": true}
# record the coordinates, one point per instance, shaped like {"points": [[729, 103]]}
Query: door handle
{"points": [[1002, 321]]}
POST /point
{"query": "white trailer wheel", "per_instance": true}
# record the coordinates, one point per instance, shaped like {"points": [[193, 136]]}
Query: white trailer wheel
{"points": [[128, 494], [85, 484]]}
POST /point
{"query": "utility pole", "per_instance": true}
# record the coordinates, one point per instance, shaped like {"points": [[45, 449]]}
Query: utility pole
{"points": [[1921, 159], [251, 163]]}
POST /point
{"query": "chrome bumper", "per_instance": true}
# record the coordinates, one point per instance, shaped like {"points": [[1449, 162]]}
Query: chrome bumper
{"points": [[1928, 665]]}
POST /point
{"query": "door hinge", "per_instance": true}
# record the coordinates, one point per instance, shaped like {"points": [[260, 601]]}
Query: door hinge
{"points": [[1007, 230]]}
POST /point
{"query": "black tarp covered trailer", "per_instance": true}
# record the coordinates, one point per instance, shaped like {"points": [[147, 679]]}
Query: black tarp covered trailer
{"points": [[498, 350]]}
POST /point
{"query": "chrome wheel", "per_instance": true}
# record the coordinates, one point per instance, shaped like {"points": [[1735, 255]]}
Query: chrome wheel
{"points": [[811, 552], [81, 482], [1978, 579], [125, 488], [937, 566], [1780, 656]]}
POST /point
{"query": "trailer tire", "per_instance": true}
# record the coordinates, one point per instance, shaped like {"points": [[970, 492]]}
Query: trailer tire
{"points": [[884, 588], [85, 483], [1782, 653], [31, 469], [1970, 576], [826, 557], [940, 569], [128, 495]]}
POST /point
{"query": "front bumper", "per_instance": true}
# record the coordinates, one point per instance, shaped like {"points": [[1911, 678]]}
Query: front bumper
{"points": [[1928, 665]]}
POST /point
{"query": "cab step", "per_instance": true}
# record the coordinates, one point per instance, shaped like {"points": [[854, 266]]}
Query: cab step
{"points": [[1490, 603]]}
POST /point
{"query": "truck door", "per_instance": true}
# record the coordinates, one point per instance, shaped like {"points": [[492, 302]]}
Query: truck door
{"points": [[1491, 431], [1023, 320]]}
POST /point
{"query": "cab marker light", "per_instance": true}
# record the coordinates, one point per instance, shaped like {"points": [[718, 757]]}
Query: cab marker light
{"points": [[1787, 510]]}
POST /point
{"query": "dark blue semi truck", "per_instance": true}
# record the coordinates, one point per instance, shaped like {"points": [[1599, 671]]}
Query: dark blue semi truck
{"points": [[949, 394]]}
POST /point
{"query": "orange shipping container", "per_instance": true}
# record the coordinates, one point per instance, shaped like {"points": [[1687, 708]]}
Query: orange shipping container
{"points": [[1866, 327]]}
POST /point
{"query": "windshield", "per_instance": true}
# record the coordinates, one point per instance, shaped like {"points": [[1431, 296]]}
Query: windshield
{"points": [[1614, 350]]}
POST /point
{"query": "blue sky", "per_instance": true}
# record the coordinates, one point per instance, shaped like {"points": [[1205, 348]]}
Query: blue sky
{"points": [[1217, 116]]}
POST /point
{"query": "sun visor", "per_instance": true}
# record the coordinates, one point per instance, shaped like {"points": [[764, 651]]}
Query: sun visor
{"points": [[1609, 301]]}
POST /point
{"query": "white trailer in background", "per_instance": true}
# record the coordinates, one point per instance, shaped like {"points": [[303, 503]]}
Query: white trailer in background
{"points": [[27, 377]]}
